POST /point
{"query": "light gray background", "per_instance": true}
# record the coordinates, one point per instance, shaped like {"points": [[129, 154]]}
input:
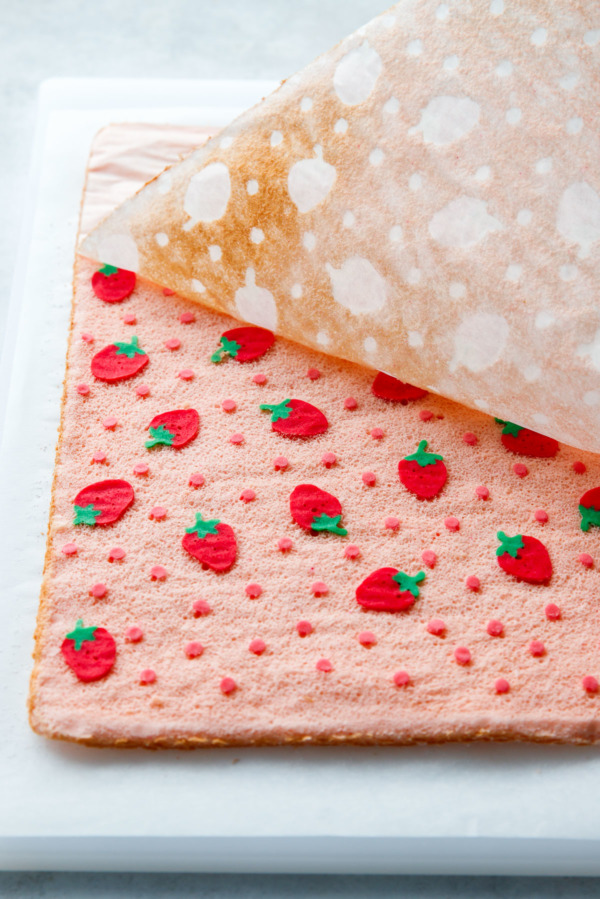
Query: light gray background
{"points": [[191, 39]]}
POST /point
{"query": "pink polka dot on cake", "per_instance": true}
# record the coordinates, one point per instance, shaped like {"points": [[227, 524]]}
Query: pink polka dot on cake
{"points": [[173, 343], [142, 390], [99, 457], [229, 405], [350, 403], [200, 607], [158, 573], [319, 589], [141, 468], [579, 467], [495, 628], [247, 495], [193, 649], [469, 438], [537, 648], [110, 423], [133, 634], [304, 628], [157, 513], [313, 373], [116, 554], [227, 686], [87, 337], [196, 479], [324, 665], [253, 590], [589, 684], [429, 558], [482, 492], [280, 463], [98, 591], [401, 678], [436, 627], [501, 685], [425, 415], [284, 544], [473, 582], [541, 515], [186, 374], [552, 612], [520, 470], [367, 638], [167, 292], [392, 523], [586, 560], [369, 479], [257, 646], [237, 439], [377, 433], [69, 549], [83, 389], [147, 676], [452, 523], [352, 551], [328, 459], [186, 318], [462, 655], [259, 378], [129, 318]]}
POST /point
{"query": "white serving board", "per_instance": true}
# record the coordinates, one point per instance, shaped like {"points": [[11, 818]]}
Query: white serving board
{"points": [[483, 809]]}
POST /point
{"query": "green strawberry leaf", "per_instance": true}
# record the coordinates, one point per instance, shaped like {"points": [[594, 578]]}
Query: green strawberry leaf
{"points": [[510, 545], [328, 523], [108, 270], [279, 410], [160, 435], [81, 634], [509, 427], [589, 516], [422, 458], [129, 349], [203, 527], [408, 583], [86, 514], [229, 347]]}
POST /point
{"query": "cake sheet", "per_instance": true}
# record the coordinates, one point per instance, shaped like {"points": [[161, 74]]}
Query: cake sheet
{"points": [[339, 680]]}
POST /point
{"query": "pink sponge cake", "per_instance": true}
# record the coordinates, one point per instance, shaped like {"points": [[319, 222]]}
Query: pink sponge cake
{"points": [[250, 542]]}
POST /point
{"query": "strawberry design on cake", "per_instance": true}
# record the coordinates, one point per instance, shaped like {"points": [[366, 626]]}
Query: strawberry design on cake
{"points": [[422, 473], [316, 510], [389, 590], [113, 284], [211, 542], [89, 652], [589, 508], [103, 502], [119, 361], [243, 344], [296, 418], [176, 428], [524, 557], [525, 442], [388, 388]]}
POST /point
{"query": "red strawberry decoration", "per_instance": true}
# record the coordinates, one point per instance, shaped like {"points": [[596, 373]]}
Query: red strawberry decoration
{"points": [[89, 651], [212, 543], [113, 284], [388, 388], [525, 558], [525, 442], [243, 344], [315, 510], [119, 361], [589, 507], [424, 474], [389, 590], [295, 418], [176, 428], [103, 502]]}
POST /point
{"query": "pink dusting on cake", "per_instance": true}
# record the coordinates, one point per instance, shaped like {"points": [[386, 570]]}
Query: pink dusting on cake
{"points": [[429, 558], [319, 588], [98, 591], [352, 551], [186, 318], [313, 373], [579, 467], [377, 433], [158, 573], [142, 390], [83, 389], [193, 649], [368, 478], [502, 685], [452, 523], [537, 648], [200, 607], [589, 684], [167, 292], [259, 378], [247, 495], [401, 678], [462, 655], [495, 628], [173, 343], [236, 439], [253, 590], [257, 646], [328, 459], [116, 554], [87, 337], [324, 665], [392, 523], [134, 634], [99, 457], [520, 470], [147, 676], [186, 374], [552, 612], [129, 318], [280, 463], [436, 627], [141, 468], [367, 638], [196, 479], [482, 492], [157, 513], [541, 516], [473, 582], [69, 549], [350, 403], [425, 415], [227, 685], [228, 405], [586, 560], [284, 544], [110, 423], [304, 628], [470, 438]]}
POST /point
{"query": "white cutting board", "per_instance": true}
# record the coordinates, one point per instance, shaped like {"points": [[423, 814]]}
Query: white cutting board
{"points": [[481, 809]]}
